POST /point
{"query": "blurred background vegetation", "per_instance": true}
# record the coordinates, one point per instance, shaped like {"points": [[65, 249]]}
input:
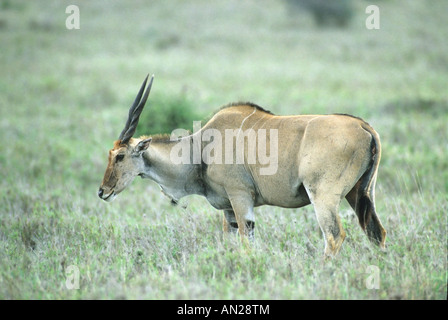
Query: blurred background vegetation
{"points": [[65, 94], [58, 85]]}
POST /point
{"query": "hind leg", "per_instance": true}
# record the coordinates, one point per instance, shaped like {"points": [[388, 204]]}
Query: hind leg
{"points": [[326, 208], [364, 207]]}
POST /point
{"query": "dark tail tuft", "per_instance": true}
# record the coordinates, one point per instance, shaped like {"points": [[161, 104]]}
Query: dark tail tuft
{"points": [[364, 210]]}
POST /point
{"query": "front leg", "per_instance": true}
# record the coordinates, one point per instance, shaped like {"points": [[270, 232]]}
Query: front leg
{"points": [[243, 209]]}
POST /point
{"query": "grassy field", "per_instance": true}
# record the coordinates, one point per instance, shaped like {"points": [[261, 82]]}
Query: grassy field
{"points": [[64, 97]]}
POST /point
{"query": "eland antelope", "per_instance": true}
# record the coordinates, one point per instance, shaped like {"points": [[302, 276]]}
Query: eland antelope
{"points": [[315, 159]]}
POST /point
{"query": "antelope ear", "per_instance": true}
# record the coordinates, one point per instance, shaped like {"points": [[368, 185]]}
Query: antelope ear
{"points": [[142, 146]]}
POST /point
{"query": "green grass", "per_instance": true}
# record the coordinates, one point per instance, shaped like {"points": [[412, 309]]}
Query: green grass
{"points": [[64, 97]]}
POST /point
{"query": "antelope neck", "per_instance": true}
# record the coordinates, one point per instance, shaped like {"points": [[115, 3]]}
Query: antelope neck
{"points": [[176, 181]]}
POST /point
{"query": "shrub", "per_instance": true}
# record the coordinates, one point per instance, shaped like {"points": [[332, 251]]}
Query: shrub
{"points": [[325, 12], [164, 114]]}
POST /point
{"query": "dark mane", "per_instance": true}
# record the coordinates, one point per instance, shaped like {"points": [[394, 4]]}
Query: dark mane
{"points": [[351, 116], [163, 138], [245, 104]]}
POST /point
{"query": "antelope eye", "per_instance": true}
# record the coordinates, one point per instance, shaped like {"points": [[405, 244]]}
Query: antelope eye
{"points": [[119, 157]]}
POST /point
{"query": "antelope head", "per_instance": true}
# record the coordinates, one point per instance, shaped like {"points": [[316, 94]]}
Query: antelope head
{"points": [[125, 158]]}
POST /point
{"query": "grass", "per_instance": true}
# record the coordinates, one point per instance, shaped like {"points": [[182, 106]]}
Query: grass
{"points": [[64, 96]]}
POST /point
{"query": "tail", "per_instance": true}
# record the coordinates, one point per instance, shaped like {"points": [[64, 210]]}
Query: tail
{"points": [[366, 194], [362, 196]]}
